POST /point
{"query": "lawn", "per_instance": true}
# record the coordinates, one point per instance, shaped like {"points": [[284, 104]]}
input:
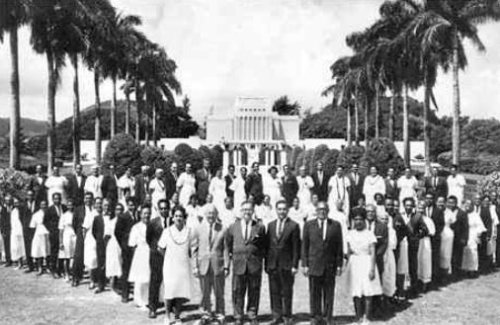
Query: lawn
{"points": [[28, 299]]}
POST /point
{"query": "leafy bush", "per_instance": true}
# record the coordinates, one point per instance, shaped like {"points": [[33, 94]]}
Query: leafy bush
{"points": [[292, 157], [122, 152], [217, 157], [383, 154], [300, 160], [350, 155], [318, 154], [472, 162], [329, 160], [308, 159], [186, 154], [13, 182], [157, 158]]}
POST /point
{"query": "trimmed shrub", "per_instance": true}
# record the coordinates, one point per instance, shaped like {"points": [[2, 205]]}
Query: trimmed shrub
{"points": [[122, 152], [186, 154], [217, 157], [329, 160], [308, 160], [292, 157], [350, 155], [319, 152], [157, 158], [383, 154], [300, 160], [13, 182]]}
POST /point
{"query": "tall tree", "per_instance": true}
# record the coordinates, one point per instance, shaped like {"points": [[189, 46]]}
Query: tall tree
{"points": [[13, 14]]}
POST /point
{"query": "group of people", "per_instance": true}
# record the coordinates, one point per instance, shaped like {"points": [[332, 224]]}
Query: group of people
{"points": [[385, 239]]}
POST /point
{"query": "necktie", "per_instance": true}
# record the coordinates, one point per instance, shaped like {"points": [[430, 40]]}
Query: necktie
{"points": [[323, 229], [280, 228], [356, 178], [210, 234], [435, 182], [369, 226], [246, 231], [58, 208], [320, 176]]}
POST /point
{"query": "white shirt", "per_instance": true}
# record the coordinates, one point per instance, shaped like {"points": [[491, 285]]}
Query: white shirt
{"points": [[246, 228], [280, 225], [93, 185], [324, 226]]}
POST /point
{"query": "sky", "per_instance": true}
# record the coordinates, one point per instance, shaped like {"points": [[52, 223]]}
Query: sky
{"points": [[230, 48]]}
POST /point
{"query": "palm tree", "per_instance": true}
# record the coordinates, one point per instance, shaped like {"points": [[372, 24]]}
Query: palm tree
{"points": [[127, 88], [13, 14], [448, 22]]}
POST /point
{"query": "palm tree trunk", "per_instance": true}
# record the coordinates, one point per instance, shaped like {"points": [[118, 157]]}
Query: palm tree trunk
{"points": [[51, 111], [391, 116], [146, 127], [127, 114], [367, 103], [427, 148], [139, 113], [377, 111], [406, 135], [456, 104], [356, 121], [155, 141], [113, 109], [349, 135], [76, 111], [15, 117], [97, 117]]}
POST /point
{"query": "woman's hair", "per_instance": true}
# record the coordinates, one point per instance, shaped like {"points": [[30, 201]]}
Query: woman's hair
{"points": [[181, 209], [271, 169]]}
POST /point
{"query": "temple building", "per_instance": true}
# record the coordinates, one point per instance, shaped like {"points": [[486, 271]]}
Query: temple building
{"points": [[253, 129]]}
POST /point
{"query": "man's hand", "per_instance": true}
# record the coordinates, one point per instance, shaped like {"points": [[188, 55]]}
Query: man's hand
{"points": [[196, 273], [339, 271], [226, 271], [294, 271], [371, 275], [305, 270]]}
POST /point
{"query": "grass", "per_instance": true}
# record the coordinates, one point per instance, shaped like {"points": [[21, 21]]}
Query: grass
{"points": [[28, 299]]}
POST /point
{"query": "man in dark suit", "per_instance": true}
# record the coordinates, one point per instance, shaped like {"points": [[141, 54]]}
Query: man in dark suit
{"points": [[485, 260], [254, 185], [110, 185], [124, 225], [322, 258], [391, 184], [98, 275], [282, 261], [357, 182], [203, 177], [320, 180], [26, 212], [290, 186], [381, 232], [417, 230], [76, 184], [210, 257], [51, 222], [229, 178], [171, 181], [142, 185], [437, 217], [153, 234], [245, 242], [436, 185], [461, 230], [37, 184], [78, 219], [5, 226]]}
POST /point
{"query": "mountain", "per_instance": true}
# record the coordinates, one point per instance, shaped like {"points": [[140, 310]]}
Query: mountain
{"points": [[29, 127]]}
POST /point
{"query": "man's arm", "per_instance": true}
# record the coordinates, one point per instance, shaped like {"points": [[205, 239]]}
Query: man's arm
{"points": [[296, 246], [228, 244], [305, 246]]}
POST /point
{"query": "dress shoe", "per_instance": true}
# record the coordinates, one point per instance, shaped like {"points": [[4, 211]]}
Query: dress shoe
{"points": [[254, 321], [55, 275], [152, 313], [238, 322], [288, 321], [124, 300], [277, 321], [99, 290], [8, 264], [29, 270]]}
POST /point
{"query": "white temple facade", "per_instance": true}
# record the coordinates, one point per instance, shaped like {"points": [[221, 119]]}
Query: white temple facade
{"points": [[251, 127]]}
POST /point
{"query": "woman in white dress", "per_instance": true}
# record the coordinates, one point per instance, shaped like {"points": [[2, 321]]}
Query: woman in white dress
{"points": [[56, 184], [427, 230], [491, 246], [362, 273], [193, 212], [389, 275], [306, 183], [374, 183], [140, 269], [186, 185], [17, 248], [470, 260], [238, 186], [67, 239], [217, 188], [265, 212], [272, 185], [40, 247], [297, 214], [157, 189], [113, 250], [126, 186], [89, 242], [447, 237], [177, 241], [407, 185], [456, 184]]}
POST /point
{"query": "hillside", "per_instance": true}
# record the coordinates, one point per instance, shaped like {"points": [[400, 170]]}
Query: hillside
{"points": [[29, 127]]}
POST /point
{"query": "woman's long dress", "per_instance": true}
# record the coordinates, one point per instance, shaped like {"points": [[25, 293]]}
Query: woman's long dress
{"points": [[408, 188], [126, 184], [266, 213], [389, 275], [456, 187], [240, 196], [140, 270], [272, 187], [113, 249], [447, 236], [217, 188], [40, 244], [372, 186], [491, 247], [339, 191], [424, 266], [177, 271], [306, 183], [90, 244], [17, 248], [403, 267], [186, 182], [359, 265], [158, 192], [56, 184], [299, 216], [470, 260], [68, 235]]}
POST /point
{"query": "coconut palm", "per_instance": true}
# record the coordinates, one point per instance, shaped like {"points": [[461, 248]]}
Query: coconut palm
{"points": [[13, 14]]}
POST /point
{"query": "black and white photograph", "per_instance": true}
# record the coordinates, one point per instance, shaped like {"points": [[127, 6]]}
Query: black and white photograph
{"points": [[249, 162]]}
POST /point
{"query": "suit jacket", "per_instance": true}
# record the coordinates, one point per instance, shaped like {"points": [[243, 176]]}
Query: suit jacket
{"points": [[170, 184], [205, 255], [153, 233], [322, 256], [461, 228], [391, 190], [246, 255], [74, 191], [38, 188], [141, 187], [124, 225], [437, 217], [440, 190], [381, 232], [254, 187], [356, 189], [51, 220], [290, 188], [229, 180], [202, 182], [283, 252], [320, 188], [109, 188]]}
